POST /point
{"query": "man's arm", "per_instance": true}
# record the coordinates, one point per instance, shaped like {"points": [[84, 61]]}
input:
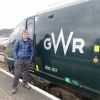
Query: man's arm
{"points": [[16, 46]]}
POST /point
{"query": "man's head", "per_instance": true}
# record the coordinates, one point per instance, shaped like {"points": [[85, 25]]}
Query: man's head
{"points": [[25, 35]]}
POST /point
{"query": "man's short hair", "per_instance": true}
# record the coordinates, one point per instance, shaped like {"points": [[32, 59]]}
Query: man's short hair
{"points": [[25, 31]]}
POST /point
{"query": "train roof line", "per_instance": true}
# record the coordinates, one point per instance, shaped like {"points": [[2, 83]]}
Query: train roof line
{"points": [[59, 5]]}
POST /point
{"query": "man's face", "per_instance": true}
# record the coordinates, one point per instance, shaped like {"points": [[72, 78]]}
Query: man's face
{"points": [[25, 35]]}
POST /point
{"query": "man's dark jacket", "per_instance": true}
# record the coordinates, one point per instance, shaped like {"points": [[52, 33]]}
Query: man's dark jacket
{"points": [[23, 50]]}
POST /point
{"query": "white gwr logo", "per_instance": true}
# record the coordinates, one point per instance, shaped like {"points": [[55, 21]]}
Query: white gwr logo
{"points": [[78, 43]]}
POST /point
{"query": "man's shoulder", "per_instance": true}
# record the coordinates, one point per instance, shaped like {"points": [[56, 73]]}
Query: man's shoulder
{"points": [[18, 41], [30, 40]]}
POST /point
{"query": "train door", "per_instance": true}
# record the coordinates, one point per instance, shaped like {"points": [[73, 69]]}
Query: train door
{"points": [[30, 26]]}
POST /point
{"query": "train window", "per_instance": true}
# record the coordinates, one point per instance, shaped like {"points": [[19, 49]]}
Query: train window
{"points": [[16, 34], [30, 27]]}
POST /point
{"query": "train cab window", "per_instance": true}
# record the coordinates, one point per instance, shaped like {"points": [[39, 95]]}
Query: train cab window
{"points": [[16, 34], [30, 27]]}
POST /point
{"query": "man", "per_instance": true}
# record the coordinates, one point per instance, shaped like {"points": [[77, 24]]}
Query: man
{"points": [[23, 54]]}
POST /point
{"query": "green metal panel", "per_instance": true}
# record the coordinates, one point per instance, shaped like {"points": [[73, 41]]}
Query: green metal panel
{"points": [[75, 68]]}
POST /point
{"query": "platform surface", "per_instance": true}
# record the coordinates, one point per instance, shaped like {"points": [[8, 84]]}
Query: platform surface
{"points": [[21, 94]]}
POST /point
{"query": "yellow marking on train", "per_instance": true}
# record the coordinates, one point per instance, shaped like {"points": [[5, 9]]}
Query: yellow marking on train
{"points": [[37, 68], [96, 48]]}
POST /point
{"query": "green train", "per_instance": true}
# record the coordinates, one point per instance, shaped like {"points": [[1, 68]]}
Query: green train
{"points": [[66, 39]]}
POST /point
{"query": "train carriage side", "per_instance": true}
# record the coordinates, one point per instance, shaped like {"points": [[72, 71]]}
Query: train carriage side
{"points": [[68, 45]]}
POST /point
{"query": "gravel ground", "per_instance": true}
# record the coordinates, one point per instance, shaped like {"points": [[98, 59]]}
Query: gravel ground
{"points": [[2, 64], [1, 57]]}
